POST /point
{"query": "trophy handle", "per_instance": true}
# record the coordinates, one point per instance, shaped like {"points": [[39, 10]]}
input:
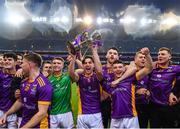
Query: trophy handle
{"points": [[71, 48], [86, 42]]}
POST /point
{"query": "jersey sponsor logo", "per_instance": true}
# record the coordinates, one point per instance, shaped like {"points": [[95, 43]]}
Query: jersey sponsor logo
{"points": [[29, 106], [25, 99], [170, 70], [58, 87], [23, 85], [142, 82], [33, 90], [5, 86], [159, 80], [170, 67], [89, 89], [108, 78], [159, 75], [6, 75], [119, 89]]}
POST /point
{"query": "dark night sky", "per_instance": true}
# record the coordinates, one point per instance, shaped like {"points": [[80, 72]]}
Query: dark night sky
{"points": [[118, 5], [114, 5], [95, 6]]}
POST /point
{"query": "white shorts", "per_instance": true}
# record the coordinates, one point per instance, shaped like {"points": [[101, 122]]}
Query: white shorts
{"points": [[64, 120], [89, 121], [125, 123], [11, 121]]}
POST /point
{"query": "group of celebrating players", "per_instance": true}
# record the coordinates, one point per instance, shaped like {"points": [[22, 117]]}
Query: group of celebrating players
{"points": [[112, 95]]}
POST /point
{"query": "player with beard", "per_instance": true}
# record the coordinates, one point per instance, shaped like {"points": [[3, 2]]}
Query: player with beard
{"points": [[89, 111], [161, 82], [111, 56], [36, 92], [6, 77]]}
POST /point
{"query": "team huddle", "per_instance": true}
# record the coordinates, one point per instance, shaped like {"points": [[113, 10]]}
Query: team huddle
{"points": [[112, 95]]}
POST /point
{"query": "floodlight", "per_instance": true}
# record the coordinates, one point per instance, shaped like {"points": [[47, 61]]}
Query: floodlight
{"points": [[15, 19]]}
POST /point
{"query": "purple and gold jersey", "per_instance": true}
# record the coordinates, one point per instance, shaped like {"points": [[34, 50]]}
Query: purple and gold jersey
{"points": [[123, 98], [107, 74], [89, 94], [143, 83], [161, 83], [5, 91], [33, 93]]}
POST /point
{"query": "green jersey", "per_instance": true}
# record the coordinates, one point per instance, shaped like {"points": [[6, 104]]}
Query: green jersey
{"points": [[61, 100]]}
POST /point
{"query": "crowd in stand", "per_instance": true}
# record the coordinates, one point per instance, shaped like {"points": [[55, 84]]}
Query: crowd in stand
{"points": [[37, 94]]}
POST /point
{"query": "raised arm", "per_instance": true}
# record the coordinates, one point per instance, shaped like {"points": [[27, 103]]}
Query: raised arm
{"points": [[148, 65], [78, 62], [71, 69], [97, 62]]}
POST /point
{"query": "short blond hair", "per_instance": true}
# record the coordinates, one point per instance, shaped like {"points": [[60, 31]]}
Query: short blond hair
{"points": [[166, 49], [58, 58]]}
